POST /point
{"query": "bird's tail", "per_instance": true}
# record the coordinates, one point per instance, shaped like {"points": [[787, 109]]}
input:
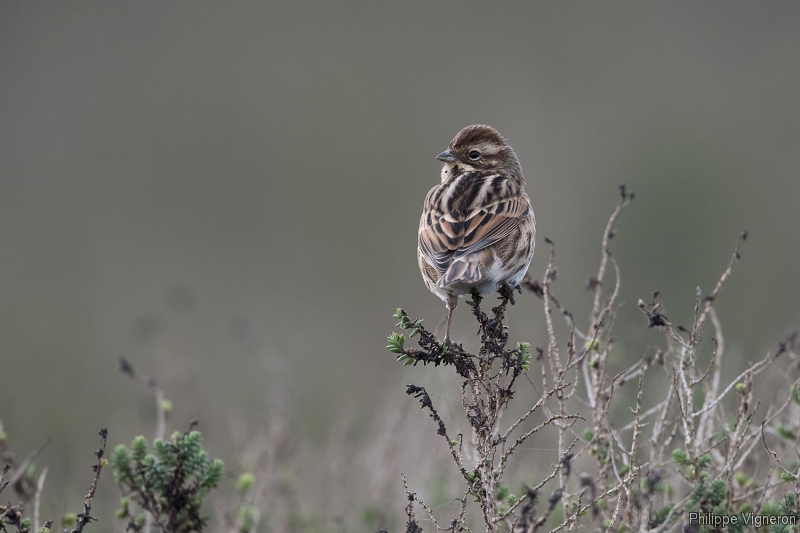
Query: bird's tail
{"points": [[465, 270]]}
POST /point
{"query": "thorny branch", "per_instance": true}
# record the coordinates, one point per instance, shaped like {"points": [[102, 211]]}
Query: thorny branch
{"points": [[634, 481]]}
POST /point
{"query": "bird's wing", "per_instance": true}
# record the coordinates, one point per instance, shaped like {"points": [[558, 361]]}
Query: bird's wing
{"points": [[468, 214]]}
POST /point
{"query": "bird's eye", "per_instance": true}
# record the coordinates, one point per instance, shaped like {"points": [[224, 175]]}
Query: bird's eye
{"points": [[474, 155]]}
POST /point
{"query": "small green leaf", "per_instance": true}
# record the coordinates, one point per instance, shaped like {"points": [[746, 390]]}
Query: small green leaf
{"points": [[214, 474], [680, 456], [502, 492], [785, 432], [704, 461], [139, 449], [247, 517], [244, 482], [396, 342], [524, 351]]}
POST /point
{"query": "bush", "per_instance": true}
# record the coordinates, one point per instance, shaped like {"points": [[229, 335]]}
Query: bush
{"points": [[690, 458], [168, 480]]}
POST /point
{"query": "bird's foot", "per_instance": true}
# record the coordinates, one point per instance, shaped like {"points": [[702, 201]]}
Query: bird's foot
{"points": [[447, 346], [507, 293]]}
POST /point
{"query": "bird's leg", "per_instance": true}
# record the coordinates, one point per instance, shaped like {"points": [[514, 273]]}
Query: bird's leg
{"points": [[452, 302]]}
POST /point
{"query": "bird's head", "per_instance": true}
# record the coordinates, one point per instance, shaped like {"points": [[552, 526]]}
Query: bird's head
{"points": [[479, 148]]}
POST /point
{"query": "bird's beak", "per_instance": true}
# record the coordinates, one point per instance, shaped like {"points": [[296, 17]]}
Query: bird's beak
{"points": [[446, 157]]}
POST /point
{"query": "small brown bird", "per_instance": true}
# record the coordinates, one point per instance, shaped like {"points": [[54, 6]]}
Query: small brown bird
{"points": [[477, 227]]}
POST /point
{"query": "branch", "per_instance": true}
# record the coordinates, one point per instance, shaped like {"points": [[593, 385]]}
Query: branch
{"points": [[86, 516]]}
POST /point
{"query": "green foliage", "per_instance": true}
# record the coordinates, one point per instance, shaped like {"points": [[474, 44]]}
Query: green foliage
{"points": [[169, 480], [718, 492], [124, 508], [788, 505], [770, 509], [396, 342], [166, 405], [248, 516], [785, 433], [659, 516], [524, 352], [244, 482], [787, 476], [372, 515], [714, 499], [703, 462], [698, 496], [139, 449], [680, 457], [502, 492], [406, 323]]}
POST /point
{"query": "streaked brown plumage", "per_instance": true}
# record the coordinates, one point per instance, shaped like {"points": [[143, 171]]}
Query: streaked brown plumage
{"points": [[477, 227]]}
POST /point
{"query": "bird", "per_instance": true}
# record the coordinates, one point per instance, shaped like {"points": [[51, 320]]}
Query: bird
{"points": [[477, 229]]}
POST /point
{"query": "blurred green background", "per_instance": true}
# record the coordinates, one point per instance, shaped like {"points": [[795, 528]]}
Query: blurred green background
{"points": [[227, 194]]}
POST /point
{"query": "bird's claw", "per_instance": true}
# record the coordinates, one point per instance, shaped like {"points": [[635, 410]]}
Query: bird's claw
{"points": [[507, 292]]}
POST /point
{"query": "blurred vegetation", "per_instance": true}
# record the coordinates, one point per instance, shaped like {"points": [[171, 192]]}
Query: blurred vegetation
{"points": [[628, 479], [169, 483]]}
